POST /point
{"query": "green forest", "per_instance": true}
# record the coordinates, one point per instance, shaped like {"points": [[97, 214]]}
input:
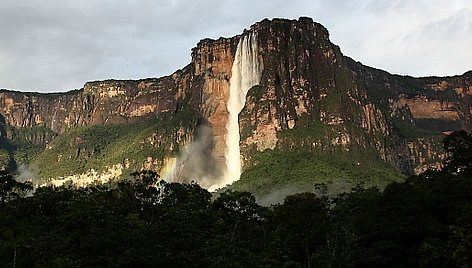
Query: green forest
{"points": [[423, 221]]}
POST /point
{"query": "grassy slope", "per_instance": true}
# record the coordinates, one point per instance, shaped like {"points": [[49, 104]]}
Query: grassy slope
{"points": [[81, 149], [302, 170]]}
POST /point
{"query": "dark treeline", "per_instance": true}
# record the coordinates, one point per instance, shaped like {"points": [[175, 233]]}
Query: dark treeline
{"points": [[425, 221]]}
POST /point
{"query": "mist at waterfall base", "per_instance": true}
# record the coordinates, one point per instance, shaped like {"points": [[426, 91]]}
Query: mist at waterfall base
{"points": [[197, 162], [277, 195], [26, 173]]}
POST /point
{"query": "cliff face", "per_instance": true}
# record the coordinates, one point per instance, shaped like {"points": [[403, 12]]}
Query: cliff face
{"points": [[420, 109], [104, 102], [310, 96], [308, 83], [212, 61], [433, 103]]}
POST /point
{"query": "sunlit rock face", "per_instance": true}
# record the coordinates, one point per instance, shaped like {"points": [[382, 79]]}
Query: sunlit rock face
{"points": [[212, 61], [280, 85], [103, 102]]}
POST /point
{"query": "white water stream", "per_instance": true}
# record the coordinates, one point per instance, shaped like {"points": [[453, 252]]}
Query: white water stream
{"points": [[245, 74]]}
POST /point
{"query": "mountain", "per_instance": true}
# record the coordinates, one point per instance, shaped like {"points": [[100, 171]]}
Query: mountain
{"points": [[307, 115]]}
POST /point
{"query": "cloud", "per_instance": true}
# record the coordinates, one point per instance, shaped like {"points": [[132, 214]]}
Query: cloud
{"points": [[419, 38], [63, 45], [59, 45]]}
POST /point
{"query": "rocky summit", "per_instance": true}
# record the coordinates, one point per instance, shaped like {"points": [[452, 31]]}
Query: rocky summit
{"points": [[309, 115]]}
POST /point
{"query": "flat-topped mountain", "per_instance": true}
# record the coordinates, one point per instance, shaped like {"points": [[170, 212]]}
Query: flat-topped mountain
{"points": [[277, 105]]}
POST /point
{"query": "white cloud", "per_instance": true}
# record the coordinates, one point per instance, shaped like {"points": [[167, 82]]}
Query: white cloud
{"points": [[59, 45]]}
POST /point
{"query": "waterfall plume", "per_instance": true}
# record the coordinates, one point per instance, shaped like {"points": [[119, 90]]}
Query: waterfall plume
{"points": [[245, 74]]}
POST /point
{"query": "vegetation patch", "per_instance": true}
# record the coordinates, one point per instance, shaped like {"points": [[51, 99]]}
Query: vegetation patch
{"points": [[305, 169], [95, 147]]}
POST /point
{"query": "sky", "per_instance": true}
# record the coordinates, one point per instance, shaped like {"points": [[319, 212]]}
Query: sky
{"points": [[58, 45]]}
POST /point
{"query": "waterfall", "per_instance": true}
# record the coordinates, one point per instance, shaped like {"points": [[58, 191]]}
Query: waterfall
{"points": [[245, 73], [53, 121]]}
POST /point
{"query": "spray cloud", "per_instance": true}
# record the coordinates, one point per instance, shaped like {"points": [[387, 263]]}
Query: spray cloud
{"points": [[197, 163], [26, 173]]}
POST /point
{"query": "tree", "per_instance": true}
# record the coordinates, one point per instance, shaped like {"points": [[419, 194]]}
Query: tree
{"points": [[302, 229], [458, 148], [10, 189], [181, 225], [242, 232]]}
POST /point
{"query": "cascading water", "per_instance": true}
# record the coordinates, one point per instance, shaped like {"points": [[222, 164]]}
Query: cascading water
{"points": [[245, 74], [53, 121]]}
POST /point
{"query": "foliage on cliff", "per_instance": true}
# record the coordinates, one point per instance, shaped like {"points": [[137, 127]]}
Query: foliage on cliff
{"points": [[299, 169], [98, 146]]}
